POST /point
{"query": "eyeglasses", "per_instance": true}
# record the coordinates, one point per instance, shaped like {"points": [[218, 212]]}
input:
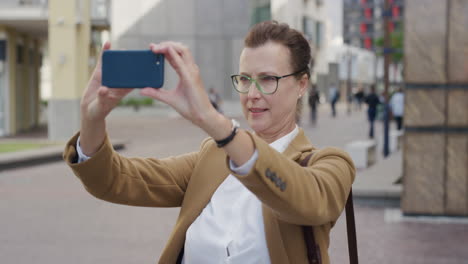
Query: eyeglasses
{"points": [[266, 84]]}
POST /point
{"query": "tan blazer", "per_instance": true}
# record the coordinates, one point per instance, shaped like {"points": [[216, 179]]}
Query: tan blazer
{"points": [[291, 195]]}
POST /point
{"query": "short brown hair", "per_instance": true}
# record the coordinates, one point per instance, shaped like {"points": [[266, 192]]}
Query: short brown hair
{"points": [[281, 33]]}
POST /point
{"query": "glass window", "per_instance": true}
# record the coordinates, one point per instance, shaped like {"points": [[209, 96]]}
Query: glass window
{"points": [[308, 26], [318, 34], [19, 54], [2, 50], [261, 11]]}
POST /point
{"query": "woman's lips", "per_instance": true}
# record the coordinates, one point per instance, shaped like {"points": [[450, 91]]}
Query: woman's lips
{"points": [[257, 111]]}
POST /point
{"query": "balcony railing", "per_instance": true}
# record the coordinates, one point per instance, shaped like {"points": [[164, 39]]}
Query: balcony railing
{"points": [[32, 2], [100, 10], [23, 3]]}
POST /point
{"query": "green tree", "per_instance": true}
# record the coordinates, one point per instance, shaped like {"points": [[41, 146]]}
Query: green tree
{"points": [[396, 57], [396, 39]]}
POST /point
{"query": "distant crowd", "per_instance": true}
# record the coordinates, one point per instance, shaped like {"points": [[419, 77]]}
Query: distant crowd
{"points": [[374, 101]]}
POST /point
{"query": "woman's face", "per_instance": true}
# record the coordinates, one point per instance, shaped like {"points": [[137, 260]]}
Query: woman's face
{"points": [[270, 116]]}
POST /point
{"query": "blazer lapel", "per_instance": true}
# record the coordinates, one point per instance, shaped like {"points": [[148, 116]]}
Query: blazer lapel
{"points": [[206, 178], [276, 248], [298, 145]]}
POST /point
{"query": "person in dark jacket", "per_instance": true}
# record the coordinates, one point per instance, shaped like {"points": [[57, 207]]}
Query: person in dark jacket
{"points": [[314, 99], [359, 95], [372, 100]]}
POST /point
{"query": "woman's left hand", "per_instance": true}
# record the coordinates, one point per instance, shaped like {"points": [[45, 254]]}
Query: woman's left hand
{"points": [[189, 98]]}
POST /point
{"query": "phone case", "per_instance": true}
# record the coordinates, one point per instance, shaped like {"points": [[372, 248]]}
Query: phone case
{"points": [[132, 69]]}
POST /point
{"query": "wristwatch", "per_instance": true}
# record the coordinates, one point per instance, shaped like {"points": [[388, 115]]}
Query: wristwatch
{"points": [[223, 142]]}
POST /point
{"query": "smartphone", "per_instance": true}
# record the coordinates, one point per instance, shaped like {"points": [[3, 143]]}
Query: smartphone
{"points": [[132, 69]]}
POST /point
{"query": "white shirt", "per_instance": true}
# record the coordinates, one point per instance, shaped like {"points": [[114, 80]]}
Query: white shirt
{"points": [[397, 103], [230, 228]]}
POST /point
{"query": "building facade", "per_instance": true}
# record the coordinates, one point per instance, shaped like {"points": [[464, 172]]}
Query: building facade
{"points": [[336, 63], [55, 31], [213, 30], [363, 21], [363, 27], [21, 35]]}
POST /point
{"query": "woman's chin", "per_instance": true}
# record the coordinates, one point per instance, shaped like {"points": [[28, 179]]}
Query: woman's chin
{"points": [[257, 125]]}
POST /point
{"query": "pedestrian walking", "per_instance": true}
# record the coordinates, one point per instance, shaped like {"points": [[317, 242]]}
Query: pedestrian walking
{"points": [[359, 95], [397, 104], [314, 100], [244, 197], [215, 99], [334, 96], [372, 100]]}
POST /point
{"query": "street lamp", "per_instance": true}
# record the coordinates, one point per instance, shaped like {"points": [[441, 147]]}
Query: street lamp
{"points": [[387, 51]]}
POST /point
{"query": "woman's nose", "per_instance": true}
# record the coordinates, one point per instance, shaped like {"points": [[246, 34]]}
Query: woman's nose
{"points": [[253, 91]]}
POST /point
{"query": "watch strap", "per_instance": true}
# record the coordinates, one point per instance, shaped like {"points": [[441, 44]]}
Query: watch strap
{"points": [[223, 142]]}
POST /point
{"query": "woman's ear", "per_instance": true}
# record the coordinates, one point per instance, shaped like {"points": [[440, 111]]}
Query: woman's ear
{"points": [[303, 84]]}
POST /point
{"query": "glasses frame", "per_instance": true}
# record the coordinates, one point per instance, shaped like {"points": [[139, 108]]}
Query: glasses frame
{"points": [[258, 86]]}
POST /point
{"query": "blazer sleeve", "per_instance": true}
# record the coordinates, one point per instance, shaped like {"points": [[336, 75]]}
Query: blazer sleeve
{"points": [[132, 181], [313, 195]]}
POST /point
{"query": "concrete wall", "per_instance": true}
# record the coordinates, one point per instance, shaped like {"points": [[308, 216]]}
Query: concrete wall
{"points": [[435, 161], [214, 31], [69, 45]]}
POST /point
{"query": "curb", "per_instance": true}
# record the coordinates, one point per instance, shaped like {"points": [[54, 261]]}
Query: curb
{"points": [[383, 193], [39, 156]]}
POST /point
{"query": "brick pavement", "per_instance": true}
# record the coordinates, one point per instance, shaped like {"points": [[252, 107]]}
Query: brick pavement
{"points": [[47, 217]]}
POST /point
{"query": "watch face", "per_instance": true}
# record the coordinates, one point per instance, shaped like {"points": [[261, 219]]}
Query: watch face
{"points": [[235, 123]]}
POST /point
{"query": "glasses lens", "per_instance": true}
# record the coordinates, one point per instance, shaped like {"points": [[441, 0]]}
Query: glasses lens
{"points": [[268, 83], [241, 83]]}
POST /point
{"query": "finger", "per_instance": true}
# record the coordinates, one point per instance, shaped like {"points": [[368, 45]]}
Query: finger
{"points": [[106, 46], [173, 58], [120, 93], [103, 91], [164, 96], [182, 50], [112, 96]]}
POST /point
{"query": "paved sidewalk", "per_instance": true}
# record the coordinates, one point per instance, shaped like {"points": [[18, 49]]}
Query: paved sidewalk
{"points": [[52, 152], [48, 217], [376, 181]]}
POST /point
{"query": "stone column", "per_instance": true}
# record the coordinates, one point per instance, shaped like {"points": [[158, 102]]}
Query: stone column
{"points": [[435, 158], [69, 41], [36, 99], [12, 37]]}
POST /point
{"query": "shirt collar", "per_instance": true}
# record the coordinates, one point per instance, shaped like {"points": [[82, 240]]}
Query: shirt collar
{"points": [[282, 143]]}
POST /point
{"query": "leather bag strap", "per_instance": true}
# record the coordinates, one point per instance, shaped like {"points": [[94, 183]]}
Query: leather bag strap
{"points": [[313, 251], [351, 229]]}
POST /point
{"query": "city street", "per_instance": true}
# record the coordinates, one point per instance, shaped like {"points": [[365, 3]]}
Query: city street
{"points": [[409, 57], [46, 216]]}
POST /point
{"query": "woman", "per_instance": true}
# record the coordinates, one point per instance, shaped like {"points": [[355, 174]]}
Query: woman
{"points": [[243, 195]]}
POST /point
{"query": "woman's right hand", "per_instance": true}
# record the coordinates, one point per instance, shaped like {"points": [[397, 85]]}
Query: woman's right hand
{"points": [[97, 102]]}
